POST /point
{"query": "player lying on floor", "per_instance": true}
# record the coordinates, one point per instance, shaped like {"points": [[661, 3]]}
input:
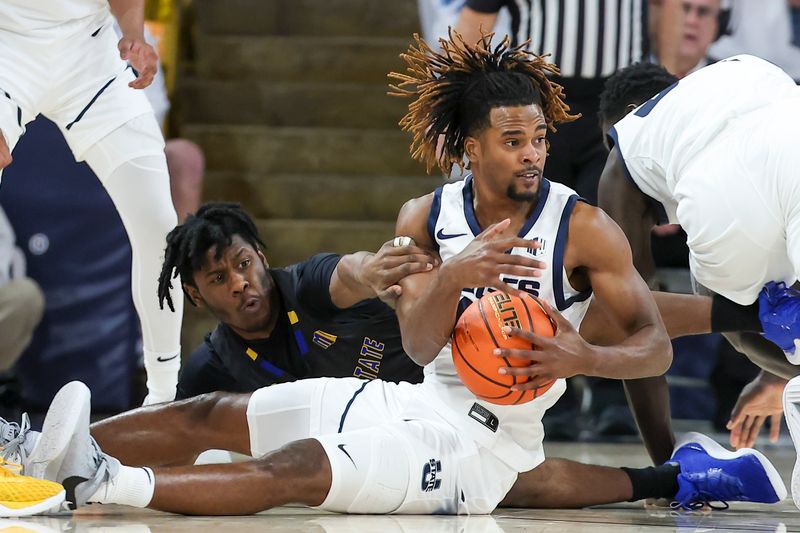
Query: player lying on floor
{"points": [[357, 446], [317, 318]]}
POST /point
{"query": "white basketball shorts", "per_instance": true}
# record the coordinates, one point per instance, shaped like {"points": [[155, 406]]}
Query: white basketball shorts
{"points": [[380, 461], [73, 75]]}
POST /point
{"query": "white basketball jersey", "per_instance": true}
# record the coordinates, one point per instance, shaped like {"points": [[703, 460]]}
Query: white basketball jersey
{"points": [[21, 16], [663, 135], [510, 431]]}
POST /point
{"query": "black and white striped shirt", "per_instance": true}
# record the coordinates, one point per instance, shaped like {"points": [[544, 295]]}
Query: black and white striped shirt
{"points": [[587, 39]]}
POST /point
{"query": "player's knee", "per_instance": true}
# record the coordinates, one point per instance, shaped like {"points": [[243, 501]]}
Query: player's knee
{"points": [[304, 458], [302, 465], [197, 412], [531, 487]]}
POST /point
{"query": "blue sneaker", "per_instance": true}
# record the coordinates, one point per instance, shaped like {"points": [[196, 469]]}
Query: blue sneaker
{"points": [[779, 312], [710, 473]]}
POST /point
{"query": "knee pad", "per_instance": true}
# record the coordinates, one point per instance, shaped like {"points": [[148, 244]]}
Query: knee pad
{"points": [[138, 137]]}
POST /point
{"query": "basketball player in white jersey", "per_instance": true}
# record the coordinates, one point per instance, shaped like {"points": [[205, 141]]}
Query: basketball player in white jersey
{"points": [[717, 153], [61, 58], [374, 447]]}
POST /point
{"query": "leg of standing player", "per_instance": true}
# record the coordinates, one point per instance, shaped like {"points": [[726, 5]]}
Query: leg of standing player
{"points": [[111, 126], [140, 189]]}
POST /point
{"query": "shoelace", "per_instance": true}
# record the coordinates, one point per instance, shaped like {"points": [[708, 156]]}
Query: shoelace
{"points": [[13, 435], [9, 469], [779, 291], [101, 460], [698, 500], [714, 485]]}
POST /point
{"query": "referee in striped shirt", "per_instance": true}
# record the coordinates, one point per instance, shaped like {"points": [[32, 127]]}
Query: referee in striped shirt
{"points": [[589, 40]]}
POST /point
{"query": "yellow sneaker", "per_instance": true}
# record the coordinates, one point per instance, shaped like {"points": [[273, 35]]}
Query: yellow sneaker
{"points": [[23, 495]]}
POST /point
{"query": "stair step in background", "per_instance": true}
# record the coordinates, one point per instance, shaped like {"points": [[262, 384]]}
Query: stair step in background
{"points": [[319, 196], [300, 59], [308, 17], [327, 105], [292, 240], [356, 152]]}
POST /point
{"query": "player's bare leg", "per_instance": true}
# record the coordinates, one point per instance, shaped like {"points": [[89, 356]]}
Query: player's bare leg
{"points": [[175, 433], [560, 483], [300, 472]]}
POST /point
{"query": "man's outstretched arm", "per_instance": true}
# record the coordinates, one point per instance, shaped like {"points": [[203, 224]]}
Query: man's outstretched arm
{"points": [[363, 275]]}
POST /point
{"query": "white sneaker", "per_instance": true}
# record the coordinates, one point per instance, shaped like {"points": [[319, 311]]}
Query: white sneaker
{"points": [[791, 410], [67, 417]]}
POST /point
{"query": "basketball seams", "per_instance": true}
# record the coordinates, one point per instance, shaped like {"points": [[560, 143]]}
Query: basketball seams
{"points": [[489, 329], [475, 370], [549, 384], [486, 322]]}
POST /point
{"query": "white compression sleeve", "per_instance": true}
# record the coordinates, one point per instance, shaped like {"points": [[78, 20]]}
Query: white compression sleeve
{"points": [[139, 187]]}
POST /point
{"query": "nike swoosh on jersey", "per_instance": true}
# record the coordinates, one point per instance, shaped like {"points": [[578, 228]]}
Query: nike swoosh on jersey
{"points": [[165, 359], [444, 236]]}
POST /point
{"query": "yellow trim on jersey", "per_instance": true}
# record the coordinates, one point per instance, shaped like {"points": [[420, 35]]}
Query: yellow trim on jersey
{"points": [[293, 318], [251, 353]]}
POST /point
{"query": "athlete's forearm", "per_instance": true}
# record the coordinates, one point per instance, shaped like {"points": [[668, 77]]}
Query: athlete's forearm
{"points": [[645, 353], [130, 16], [427, 320], [348, 286]]}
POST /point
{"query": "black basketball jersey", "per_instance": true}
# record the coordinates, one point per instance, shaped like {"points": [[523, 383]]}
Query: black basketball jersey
{"points": [[313, 338]]}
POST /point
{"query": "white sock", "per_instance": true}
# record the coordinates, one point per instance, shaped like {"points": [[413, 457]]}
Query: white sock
{"points": [[132, 486]]}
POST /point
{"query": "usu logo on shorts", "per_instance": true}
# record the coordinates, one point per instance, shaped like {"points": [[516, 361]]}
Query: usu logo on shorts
{"points": [[432, 475]]}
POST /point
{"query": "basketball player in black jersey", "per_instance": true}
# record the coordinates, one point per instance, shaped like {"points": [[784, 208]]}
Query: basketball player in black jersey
{"points": [[283, 324]]}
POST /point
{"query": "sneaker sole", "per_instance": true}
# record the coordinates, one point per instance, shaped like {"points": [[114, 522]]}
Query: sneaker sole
{"points": [[69, 407], [791, 399], [715, 450], [41, 507]]}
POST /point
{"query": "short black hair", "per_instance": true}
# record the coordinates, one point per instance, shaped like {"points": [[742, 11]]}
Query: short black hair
{"points": [[454, 90], [633, 84], [214, 225]]}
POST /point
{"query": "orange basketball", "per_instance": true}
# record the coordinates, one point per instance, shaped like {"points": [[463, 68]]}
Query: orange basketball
{"points": [[478, 332]]}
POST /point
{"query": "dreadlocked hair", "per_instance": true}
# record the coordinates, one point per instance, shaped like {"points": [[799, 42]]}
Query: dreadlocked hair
{"points": [[455, 89], [213, 226], [632, 85]]}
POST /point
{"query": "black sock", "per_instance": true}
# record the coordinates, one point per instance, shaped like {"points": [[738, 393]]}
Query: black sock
{"points": [[654, 482]]}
